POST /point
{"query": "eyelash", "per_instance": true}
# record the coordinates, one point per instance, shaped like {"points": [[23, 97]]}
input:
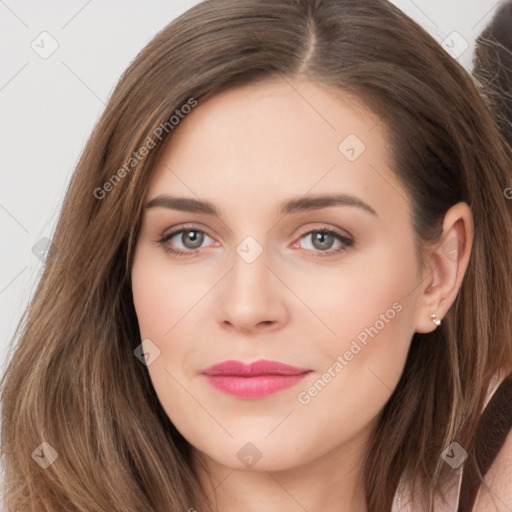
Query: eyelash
{"points": [[346, 242]]}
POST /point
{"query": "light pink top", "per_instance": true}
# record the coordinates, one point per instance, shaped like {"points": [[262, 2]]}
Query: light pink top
{"points": [[403, 502]]}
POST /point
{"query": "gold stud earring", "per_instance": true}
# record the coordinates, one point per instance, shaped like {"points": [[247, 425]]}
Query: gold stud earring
{"points": [[434, 318]]}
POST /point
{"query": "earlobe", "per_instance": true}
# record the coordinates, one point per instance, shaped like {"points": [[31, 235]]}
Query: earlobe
{"points": [[435, 320], [448, 261]]}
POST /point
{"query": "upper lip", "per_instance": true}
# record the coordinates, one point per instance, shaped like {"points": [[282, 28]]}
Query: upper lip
{"points": [[255, 369]]}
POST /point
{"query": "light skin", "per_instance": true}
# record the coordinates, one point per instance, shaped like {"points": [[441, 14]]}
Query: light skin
{"points": [[245, 151]]}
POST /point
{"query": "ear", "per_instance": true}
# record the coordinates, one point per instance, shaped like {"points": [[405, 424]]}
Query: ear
{"points": [[445, 267]]}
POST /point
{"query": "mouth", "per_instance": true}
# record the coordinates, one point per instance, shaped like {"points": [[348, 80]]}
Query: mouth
{"points": [[252, 381]]}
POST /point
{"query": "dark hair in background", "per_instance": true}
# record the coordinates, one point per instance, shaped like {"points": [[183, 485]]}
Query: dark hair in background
{"points": [[73, 380], [492, 67]]}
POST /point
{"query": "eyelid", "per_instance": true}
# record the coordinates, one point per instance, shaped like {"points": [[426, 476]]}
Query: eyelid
{"points": [[189, 226], [325, 227]]}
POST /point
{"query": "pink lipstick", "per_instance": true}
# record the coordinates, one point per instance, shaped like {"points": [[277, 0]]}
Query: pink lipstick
{"points": [[255, 380]]}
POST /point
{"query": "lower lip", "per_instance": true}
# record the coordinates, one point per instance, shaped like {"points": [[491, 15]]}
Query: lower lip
{"points": [[254, 387]]}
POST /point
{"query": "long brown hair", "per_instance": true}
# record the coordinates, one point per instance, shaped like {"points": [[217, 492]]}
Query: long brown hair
{"points": [[73, 381], [492, 67]]}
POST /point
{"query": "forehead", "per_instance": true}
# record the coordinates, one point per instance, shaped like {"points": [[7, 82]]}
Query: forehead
{"points": [[262, 142]]}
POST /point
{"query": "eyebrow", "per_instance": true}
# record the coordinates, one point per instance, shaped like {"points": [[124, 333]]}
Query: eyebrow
{"points": [[294, 205]]}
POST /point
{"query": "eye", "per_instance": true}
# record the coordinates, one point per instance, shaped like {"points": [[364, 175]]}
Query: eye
{"points": [[190, 238], [322, 241]]}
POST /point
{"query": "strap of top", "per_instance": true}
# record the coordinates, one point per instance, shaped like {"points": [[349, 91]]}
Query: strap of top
{"points": [[493, 428]]}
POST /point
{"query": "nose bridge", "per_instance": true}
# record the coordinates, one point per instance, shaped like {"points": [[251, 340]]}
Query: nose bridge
{"points": [[250, 267], [248, 297]]}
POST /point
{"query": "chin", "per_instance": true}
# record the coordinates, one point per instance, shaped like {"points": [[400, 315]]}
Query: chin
{"points": [[254, 453]]}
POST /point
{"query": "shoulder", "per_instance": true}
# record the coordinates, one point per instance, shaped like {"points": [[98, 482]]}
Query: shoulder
{"points": [[496, 494]]}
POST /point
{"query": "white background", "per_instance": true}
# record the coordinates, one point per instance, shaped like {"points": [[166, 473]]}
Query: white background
{"points": [[49, 106]]}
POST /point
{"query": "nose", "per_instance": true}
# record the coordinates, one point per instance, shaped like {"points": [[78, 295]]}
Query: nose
{"points": [[251, 297]]}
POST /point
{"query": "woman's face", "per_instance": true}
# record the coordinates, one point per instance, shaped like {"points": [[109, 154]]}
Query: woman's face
{"points": [[279, 163]]}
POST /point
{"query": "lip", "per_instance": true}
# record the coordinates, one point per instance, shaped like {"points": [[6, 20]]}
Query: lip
{"points": [[255, 380]]}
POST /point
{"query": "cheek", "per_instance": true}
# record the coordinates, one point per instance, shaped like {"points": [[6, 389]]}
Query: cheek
{"points": [[368, 299], [167, 300], [362, 366], [161, 297], [371, 312]]}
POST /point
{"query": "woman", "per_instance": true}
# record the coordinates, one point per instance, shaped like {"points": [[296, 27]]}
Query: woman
{"points": [[280, 278]]}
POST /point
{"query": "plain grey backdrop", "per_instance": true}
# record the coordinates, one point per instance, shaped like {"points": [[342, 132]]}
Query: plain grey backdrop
{"points": [[58, 66]]}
